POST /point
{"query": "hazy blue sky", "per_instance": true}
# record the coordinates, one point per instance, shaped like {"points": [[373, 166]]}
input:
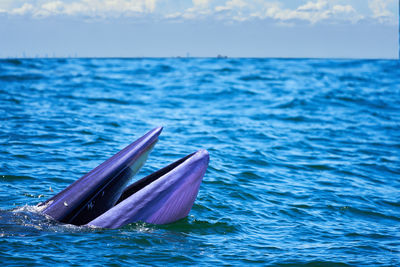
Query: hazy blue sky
{"points": [[236, 28]]}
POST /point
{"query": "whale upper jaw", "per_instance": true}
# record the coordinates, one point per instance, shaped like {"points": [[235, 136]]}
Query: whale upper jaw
{"points": [[162, 197], [99, 190]]}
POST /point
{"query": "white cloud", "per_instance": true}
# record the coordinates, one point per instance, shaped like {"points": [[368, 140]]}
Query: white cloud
{"points": [[201, 3], [343, 9], [200, 8], [232, 4], [150, 5], [380, 10], [25, 8], [91, 8], [313, 6], [282, 12], [50, 8], [312, 12], [236, 10]]}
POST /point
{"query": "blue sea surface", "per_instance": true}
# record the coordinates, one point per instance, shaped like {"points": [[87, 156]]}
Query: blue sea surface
{"points": [[304, 158]]}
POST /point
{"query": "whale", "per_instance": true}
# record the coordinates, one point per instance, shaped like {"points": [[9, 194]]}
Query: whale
{"points": [[102, 197]]}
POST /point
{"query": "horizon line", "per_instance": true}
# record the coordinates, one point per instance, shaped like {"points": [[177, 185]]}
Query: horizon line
{"points": [[197, 57]]}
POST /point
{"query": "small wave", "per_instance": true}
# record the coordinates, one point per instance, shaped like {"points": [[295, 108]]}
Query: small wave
{"points": [[227, 70], [192, 225], [312, 263], [163, 68], [12, 178], [319, 167], [21, 78], [371, 215], [250, 78], [14, 61], [108, 100], [292, 103]]}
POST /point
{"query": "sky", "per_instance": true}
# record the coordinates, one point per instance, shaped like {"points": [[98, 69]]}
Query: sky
{"points": [[199, 28]]}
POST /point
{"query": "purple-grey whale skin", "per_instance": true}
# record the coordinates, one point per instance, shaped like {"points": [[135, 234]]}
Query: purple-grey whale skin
{"points": [[99, 190], [162, 197]]}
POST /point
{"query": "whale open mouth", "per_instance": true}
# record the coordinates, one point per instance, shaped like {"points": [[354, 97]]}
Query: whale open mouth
{"points": [[100, 198]]}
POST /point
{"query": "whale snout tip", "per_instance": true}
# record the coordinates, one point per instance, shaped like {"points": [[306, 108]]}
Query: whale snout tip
{"points": [[158, 130], [203, 154]]}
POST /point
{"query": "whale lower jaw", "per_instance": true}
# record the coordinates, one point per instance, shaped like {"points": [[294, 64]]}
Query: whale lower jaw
{"points": [[162, 197]]}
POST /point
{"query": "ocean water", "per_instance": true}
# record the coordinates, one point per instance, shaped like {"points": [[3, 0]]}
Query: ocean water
{"points": [[304, 158]]}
